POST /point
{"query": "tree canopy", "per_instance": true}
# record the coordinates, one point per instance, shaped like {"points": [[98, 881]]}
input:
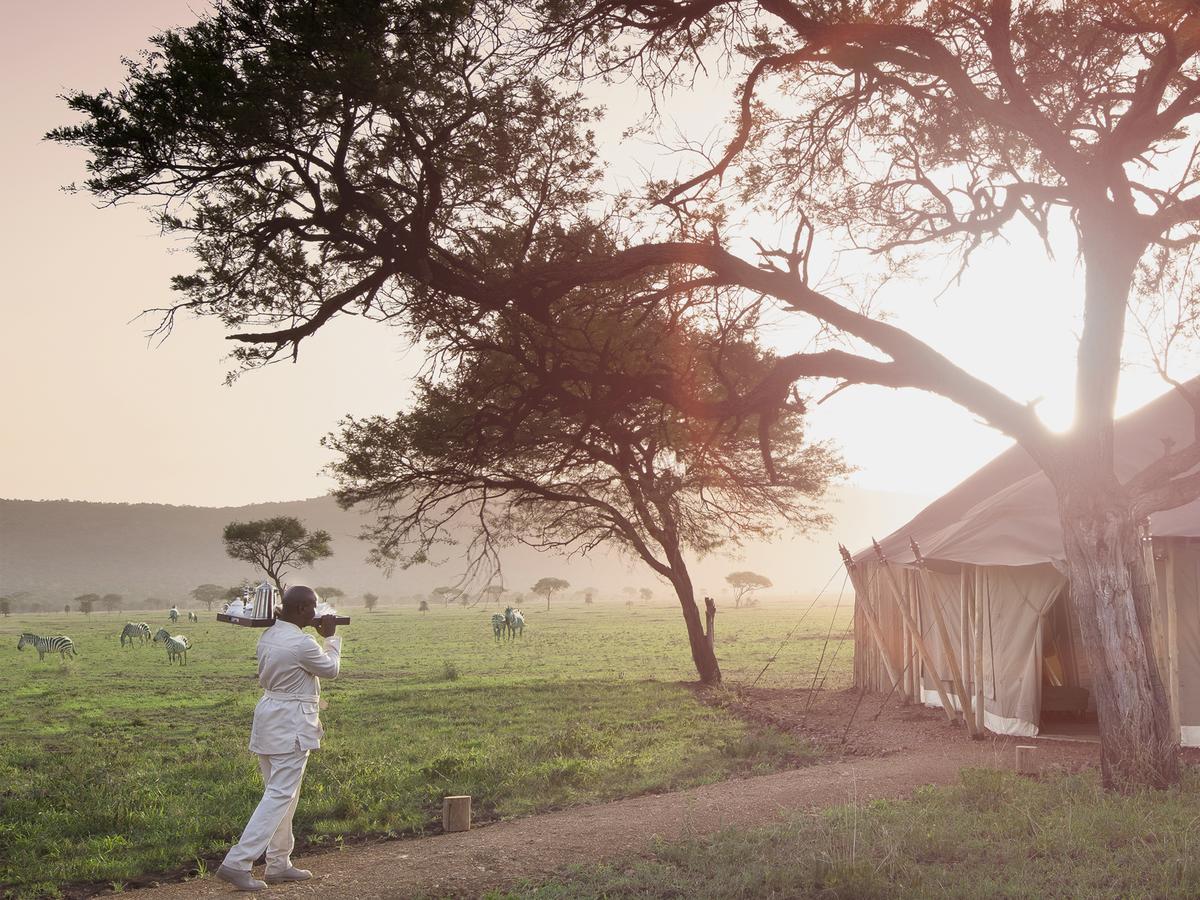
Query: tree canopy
{"points": [[744, 583], [276, 545]]}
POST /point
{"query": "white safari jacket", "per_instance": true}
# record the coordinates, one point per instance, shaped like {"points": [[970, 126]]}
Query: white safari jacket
{"points": [[290, 666]]}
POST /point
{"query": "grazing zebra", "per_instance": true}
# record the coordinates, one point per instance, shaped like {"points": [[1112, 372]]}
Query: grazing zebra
{"points": [[177, 646], [515, 622], [192, 617], [139, 630], [173, 614], [498, 625], [44, 645]]}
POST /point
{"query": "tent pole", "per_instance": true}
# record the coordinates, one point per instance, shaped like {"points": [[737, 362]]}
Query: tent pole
{"points": [[1172, 639], [909, 669], [977, 609], [912, 627], [964, 627], [868, 614], [915, 608], [964, 699]]}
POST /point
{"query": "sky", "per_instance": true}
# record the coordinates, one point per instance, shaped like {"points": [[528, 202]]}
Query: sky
{"points": [[92, 410]]}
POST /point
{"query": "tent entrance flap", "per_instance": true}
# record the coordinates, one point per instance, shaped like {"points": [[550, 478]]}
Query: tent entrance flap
{"points": [[1067, 705]]}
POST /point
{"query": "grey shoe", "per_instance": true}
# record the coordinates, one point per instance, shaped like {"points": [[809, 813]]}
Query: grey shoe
{"points": [[291, 873], [241, 879]]}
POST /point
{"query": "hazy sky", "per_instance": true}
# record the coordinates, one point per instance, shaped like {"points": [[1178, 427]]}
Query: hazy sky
{"points": [[93, 412]]}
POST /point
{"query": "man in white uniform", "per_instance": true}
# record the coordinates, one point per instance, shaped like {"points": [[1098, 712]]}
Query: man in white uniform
{"points": [[286, 726]]}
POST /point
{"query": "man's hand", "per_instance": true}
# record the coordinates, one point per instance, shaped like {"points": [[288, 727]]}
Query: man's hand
{"points": [[326, 625]]}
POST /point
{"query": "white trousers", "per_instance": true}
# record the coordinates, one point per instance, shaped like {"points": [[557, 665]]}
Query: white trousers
{"points": [[270, 827]]}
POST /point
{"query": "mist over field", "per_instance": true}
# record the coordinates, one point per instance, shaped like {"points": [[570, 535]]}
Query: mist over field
{"points": [[56, 550]]}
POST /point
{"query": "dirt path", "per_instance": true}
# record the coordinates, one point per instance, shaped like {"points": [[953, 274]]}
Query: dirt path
{"points": [[907, 748]]}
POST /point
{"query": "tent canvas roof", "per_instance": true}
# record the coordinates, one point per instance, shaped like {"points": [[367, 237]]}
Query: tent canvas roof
{"points": [[1006, 513]]}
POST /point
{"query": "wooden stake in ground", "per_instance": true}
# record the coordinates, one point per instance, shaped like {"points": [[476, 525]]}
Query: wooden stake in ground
{"points": [[916, 634], [964, 699], [456, 813], [1027, 763]]}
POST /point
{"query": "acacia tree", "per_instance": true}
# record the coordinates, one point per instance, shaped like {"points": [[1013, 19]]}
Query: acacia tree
{"points": [[744, 583], [111, 602], [381, 159], [534, 438], [276, 545], [208, 594], [549, 586], [370, 601]]}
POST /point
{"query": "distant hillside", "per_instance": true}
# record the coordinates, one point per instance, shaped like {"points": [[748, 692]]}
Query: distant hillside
{"points": [[56, 550]]}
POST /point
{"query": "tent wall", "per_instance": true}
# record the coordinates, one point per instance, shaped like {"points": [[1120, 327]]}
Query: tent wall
{"points": [[1011, 602]]}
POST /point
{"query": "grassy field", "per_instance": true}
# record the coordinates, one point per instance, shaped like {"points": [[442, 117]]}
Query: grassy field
{"points": [[993, 835], [116, 765]]}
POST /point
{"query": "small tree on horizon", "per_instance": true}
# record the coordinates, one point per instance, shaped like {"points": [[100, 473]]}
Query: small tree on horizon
{"points": [[208, 594], [549, 587], [445, 593], [646, 594], [423, 606], [370, 601], [276, 545], [329, 593], [67, 608], [744, 584], [111, 602], [86, 602]]}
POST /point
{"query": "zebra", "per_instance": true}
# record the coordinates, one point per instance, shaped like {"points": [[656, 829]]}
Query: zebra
{"points": [[192, 617], [498, 625], [177, 646], [515, 622], [44, 645], [139, 630], [173, 614]]}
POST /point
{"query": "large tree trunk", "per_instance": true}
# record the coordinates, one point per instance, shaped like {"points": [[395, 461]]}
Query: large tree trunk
{"points": [[704, 653], [1109, 590]]}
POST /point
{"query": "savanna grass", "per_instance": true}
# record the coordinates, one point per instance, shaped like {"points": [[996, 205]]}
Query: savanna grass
{"points": [[993, 835], [115, 764]]}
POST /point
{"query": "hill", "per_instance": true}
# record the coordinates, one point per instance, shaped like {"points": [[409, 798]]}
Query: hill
{"points": [[54, 550]]}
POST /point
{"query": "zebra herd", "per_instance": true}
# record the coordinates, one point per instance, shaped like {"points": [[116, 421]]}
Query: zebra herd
{"points": [[177, 645], [510, 624]]}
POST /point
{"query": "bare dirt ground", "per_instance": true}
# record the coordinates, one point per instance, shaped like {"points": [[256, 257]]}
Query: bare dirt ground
{"points": [[888, 751]]}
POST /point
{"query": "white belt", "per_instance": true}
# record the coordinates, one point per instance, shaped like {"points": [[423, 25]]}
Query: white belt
{"points": [[289, 697]]}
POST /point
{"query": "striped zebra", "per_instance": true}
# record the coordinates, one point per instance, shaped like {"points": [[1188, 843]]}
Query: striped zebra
{"points": [[173, 614], [139, 630], [43, 645], [514, 621], [177, 646], [192, 617], [498, 625]]}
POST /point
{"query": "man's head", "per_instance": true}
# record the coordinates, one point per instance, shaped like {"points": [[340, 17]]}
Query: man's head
{"points": [[299, 605]]}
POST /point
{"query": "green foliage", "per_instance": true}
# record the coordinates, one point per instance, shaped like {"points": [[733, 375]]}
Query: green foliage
{"points": [[86, 602], [208, 594], [548, 587], [745, 583], [993, 835], [149, 765], [370, 601], [276, 545]]}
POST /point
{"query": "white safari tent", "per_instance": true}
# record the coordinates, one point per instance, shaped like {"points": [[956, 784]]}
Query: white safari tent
{"points": [[965, 607]]}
